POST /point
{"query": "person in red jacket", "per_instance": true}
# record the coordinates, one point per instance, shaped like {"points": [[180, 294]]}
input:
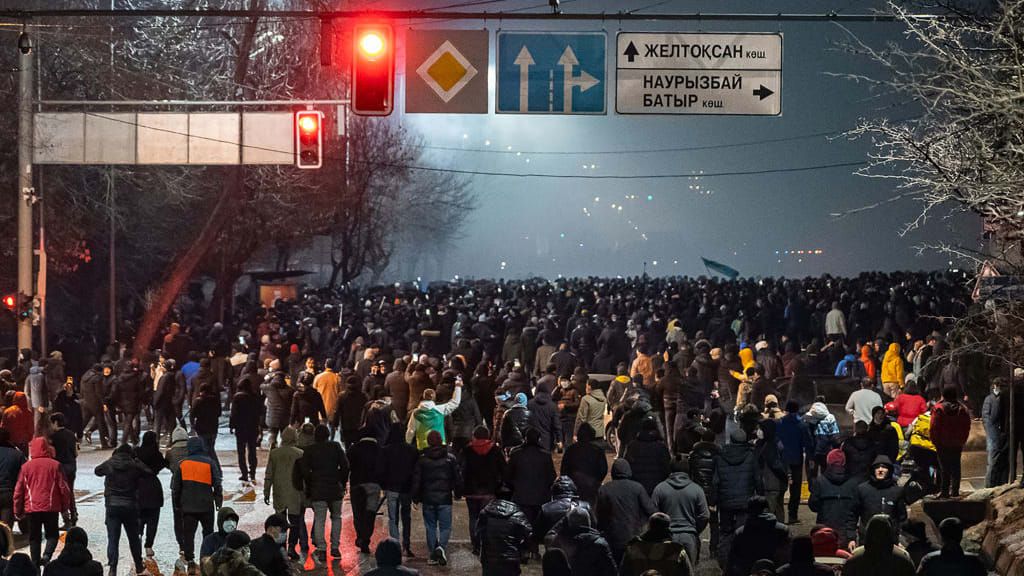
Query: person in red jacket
{"points": [[951, 424], [17, 420], [40, 496], [909, 405]]}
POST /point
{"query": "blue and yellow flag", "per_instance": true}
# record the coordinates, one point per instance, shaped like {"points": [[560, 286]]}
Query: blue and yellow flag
{"points": [[712, 266]]}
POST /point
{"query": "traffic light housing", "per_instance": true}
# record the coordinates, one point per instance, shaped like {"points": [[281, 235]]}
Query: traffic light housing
{"points": [[309, 139], [373, 70], [11, 302]]}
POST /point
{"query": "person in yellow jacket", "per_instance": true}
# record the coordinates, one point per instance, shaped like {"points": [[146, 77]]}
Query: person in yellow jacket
{"points": [[890, 410], [328, 384], [892, 371], [922, 451]]}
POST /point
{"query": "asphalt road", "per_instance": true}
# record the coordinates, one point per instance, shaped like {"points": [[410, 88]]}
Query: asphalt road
{"points": [[248, 503]]}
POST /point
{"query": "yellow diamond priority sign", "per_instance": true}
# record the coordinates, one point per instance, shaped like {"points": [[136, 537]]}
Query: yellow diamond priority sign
{"points": [[445, 71]]}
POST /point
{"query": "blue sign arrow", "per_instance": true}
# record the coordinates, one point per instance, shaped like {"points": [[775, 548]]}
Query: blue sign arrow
{"points": [[551, 73]]}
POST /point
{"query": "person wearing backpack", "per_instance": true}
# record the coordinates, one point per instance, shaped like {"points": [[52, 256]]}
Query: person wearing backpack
{"points": [[950, 426]]}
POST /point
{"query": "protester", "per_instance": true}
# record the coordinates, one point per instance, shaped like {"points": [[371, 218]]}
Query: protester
{"points": [[435, 479], [588, 552], [797, 445], [398, 460], [762, 537], [502, 532], [833, 494], [76, 560], [623, 508], [879, 554], [655, 550], [11, 461], [244, 423], [591, 411], [564, 498], [585, 463], [123, 479], [950, 427], [429, 417], [232, 559], [909, 405], [40, 496], [995, 416], [227, 522], [389, 560], [266, 553], [151, 492], [324, 471], [863, 401], [365, 484], [684, 502], [801, 561], [279, 482], [881, 494], [196, 492], [482, 465], [65, 449], [736, 480]]}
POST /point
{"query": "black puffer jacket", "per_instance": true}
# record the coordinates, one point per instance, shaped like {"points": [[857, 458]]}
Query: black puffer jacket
{"points": [[514, 423], [543, 417], [564, 498], [649, 459], [736, 477], [123, 475], [530, 473], [702, 465], [435, 477], [878, 497], [206, 414], [503, 530], [588, 552], [832, 497], [483, 467], [324, 471], [307, 404], [245, 414], [623, 507], [860, 453], [279, 400], [127, 391], [762, 537]]}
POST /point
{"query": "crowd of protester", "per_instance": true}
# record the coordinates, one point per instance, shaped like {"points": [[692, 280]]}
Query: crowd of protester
{"points": [[709, 399]]}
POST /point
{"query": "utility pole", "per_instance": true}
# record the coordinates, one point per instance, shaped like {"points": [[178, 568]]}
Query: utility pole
{"points": [[26, 195]]}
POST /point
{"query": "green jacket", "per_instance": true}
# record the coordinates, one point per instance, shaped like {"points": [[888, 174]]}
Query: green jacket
{"points": [[279, 481], [592, 409], [428, 417]]}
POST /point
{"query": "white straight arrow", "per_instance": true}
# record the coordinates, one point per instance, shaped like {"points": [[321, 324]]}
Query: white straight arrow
{"points": [[585, 81], [524, 60]]}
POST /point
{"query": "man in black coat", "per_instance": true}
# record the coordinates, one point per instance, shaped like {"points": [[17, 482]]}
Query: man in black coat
{"points": [[483, 468], [435, 480], [127, 396], [529, 474], [503, 530], [122, 476], [649, 457], [267, 552], [244, 423], [588, 552], [163, 399], [397, 461], [564, 497], [205, 416], [762, 537], [324, 467], [833, 494], [703, 461], [365, 498], [623, 507], [736, 479], [307, 403], [543, 415], [91, 388], [860, 451], [881, 494]]}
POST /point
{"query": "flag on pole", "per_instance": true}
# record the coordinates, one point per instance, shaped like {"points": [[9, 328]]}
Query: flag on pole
{"points": [[712, 266]]}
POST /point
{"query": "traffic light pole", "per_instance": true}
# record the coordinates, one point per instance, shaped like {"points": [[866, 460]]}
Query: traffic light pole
{"points": [[26, 194]]}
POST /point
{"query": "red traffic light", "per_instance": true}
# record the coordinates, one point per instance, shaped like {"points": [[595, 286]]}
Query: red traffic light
{"points": [[10, 302], [309, 142], [373, 70]]}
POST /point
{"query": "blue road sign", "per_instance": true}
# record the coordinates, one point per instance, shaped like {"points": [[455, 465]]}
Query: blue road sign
{"points": [[551, 73]]}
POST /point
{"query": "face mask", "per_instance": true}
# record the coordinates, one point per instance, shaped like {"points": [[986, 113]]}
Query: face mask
{"points": [[995, 391], [564, 384], [230, 525], [760, 434], [281, 537]]}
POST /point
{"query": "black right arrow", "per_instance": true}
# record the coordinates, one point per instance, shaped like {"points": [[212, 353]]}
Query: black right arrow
{"points": [[631, 52], [763, 92]]}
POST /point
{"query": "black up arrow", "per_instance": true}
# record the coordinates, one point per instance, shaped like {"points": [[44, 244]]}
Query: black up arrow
{"points": [[631, 52], [763, 92]]}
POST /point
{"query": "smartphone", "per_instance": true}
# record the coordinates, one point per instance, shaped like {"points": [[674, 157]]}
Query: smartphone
{"points": [[517, 363]]}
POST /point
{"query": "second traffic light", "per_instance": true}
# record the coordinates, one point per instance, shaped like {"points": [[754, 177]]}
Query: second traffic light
{"points": [[373, 70], [309, 140]]}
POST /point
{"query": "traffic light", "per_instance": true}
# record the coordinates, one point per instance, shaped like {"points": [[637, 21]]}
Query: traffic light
{"points": [[309, 139], [373, 70], [11, 302]]}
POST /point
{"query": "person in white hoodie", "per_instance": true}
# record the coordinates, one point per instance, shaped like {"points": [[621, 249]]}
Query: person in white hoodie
{"points": [[430, 416]]}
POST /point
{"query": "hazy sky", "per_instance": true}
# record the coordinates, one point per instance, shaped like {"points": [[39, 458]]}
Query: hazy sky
{"points": [[538, 226]]}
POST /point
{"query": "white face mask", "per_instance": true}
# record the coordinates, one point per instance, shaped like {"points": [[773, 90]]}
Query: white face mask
{"points": [[229, 526], [564, 384], [995, 391]]}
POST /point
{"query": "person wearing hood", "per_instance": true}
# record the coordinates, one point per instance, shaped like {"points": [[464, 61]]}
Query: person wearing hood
{"points": [[91, 387], [279, 482], [482, 463], [850, 366], [67, 403], [529, 474], [324, 469], [588, 552], [591, 411], [196, 491], [892, 371], [824, 432], [655, 550], [736, 480], [364, 480], [227, 522], [543, 415], [623, 508], [564, 497], [951, 560], [429, 417], [950, 427], [619, 386], [232, 559], [176, 452], [884, 436], [75, 559], [502, 532], [801, 561], [833, 493], [685, 503], [514, 423], [702, 463], [435, 479], [127, 395], [881, 494], [585, 463], [244, 423], [879, 554], [307, 404], [397, 461], [774, 473], [163, 398], [123, 477], [860, 451], [37, 392], [279, 401], [151, 491], [266, 553], [762, 537], [648, 456], [389, 560], [40, 496], [11, 461], [205, 415], [348, 416], [17, 420], [995, 413]]}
